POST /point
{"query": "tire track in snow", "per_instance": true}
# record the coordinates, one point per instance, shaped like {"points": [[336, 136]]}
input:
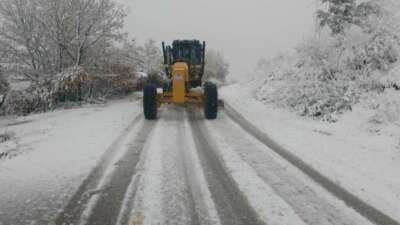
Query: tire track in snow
{"points": [[205, 206], [288, 183], [178, 205], [79, 203], [164, 195], [110, 201], [368, 211], [233, 208]]}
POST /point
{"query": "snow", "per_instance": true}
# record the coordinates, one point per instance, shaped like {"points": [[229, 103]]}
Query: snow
{"points": [[123, 146], [147, 203], [272, 209], [166, 173], [307, 198], [198, 182], [49, 155], [364, 162], [54, 152]]}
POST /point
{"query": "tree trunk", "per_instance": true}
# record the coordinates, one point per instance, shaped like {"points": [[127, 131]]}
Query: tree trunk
{"points": [[3, 100]]}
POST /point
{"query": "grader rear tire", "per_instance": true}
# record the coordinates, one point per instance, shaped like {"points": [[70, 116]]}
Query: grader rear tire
{"points": [[150, 102], [211, 101]]}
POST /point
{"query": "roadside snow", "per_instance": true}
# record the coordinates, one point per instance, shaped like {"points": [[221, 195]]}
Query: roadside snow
{"points": [[364, 162], [106, 180], [54, 152]]}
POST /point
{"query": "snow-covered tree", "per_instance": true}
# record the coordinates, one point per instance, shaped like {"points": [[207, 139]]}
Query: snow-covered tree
{"points": [[151, 60], [331, 71], [150, 63], [43, 37], [338, 15], [217, 68], [117, 59]]}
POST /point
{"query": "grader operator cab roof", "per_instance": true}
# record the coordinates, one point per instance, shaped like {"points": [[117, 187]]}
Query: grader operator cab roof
{"points": [[189, 51]]}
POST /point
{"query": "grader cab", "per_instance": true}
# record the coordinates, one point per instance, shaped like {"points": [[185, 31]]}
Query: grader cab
{"points": [[184, 63]]}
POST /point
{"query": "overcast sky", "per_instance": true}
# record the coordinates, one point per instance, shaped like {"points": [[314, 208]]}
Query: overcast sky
{"points": [[244, 31]]}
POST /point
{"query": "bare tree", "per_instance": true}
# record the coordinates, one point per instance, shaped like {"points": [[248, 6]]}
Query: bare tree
{"points": [[43, 37], [151, 58], [19, 34]]}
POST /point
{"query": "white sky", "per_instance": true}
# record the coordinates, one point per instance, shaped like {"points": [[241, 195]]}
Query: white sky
{"points": [[244, 31]]}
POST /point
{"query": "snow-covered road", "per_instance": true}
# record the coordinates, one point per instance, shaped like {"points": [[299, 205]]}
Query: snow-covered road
{"points": [[51, 155], [180, 169], [183, 169]]}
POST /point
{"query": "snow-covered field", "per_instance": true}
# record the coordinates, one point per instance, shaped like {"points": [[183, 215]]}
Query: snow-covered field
{"points": [[363, 162], [50, 154]]}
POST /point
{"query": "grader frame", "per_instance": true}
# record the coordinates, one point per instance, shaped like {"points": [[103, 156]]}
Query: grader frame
{"points": [[184, 64]]}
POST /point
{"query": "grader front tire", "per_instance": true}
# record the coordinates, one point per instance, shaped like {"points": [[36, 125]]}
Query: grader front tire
{"points": [[150, 102], [211, 101]]}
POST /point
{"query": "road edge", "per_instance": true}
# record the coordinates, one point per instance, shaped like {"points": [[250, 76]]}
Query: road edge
{"points": [[366, 210]]}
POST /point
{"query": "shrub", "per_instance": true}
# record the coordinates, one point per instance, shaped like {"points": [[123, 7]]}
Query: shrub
{"points": [[111, 85], [6, 136], [34, 99], [72, 85], [302, 89], [386, 106]]}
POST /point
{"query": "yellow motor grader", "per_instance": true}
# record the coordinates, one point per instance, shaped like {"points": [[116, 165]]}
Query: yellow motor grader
{"points": [[184, 63]]}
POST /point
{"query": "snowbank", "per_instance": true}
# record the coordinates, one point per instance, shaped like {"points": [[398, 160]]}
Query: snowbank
{"points": [[359, 153]]}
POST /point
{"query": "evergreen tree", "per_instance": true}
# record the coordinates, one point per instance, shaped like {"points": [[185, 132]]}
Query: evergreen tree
{"points": [[339, 15]]}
